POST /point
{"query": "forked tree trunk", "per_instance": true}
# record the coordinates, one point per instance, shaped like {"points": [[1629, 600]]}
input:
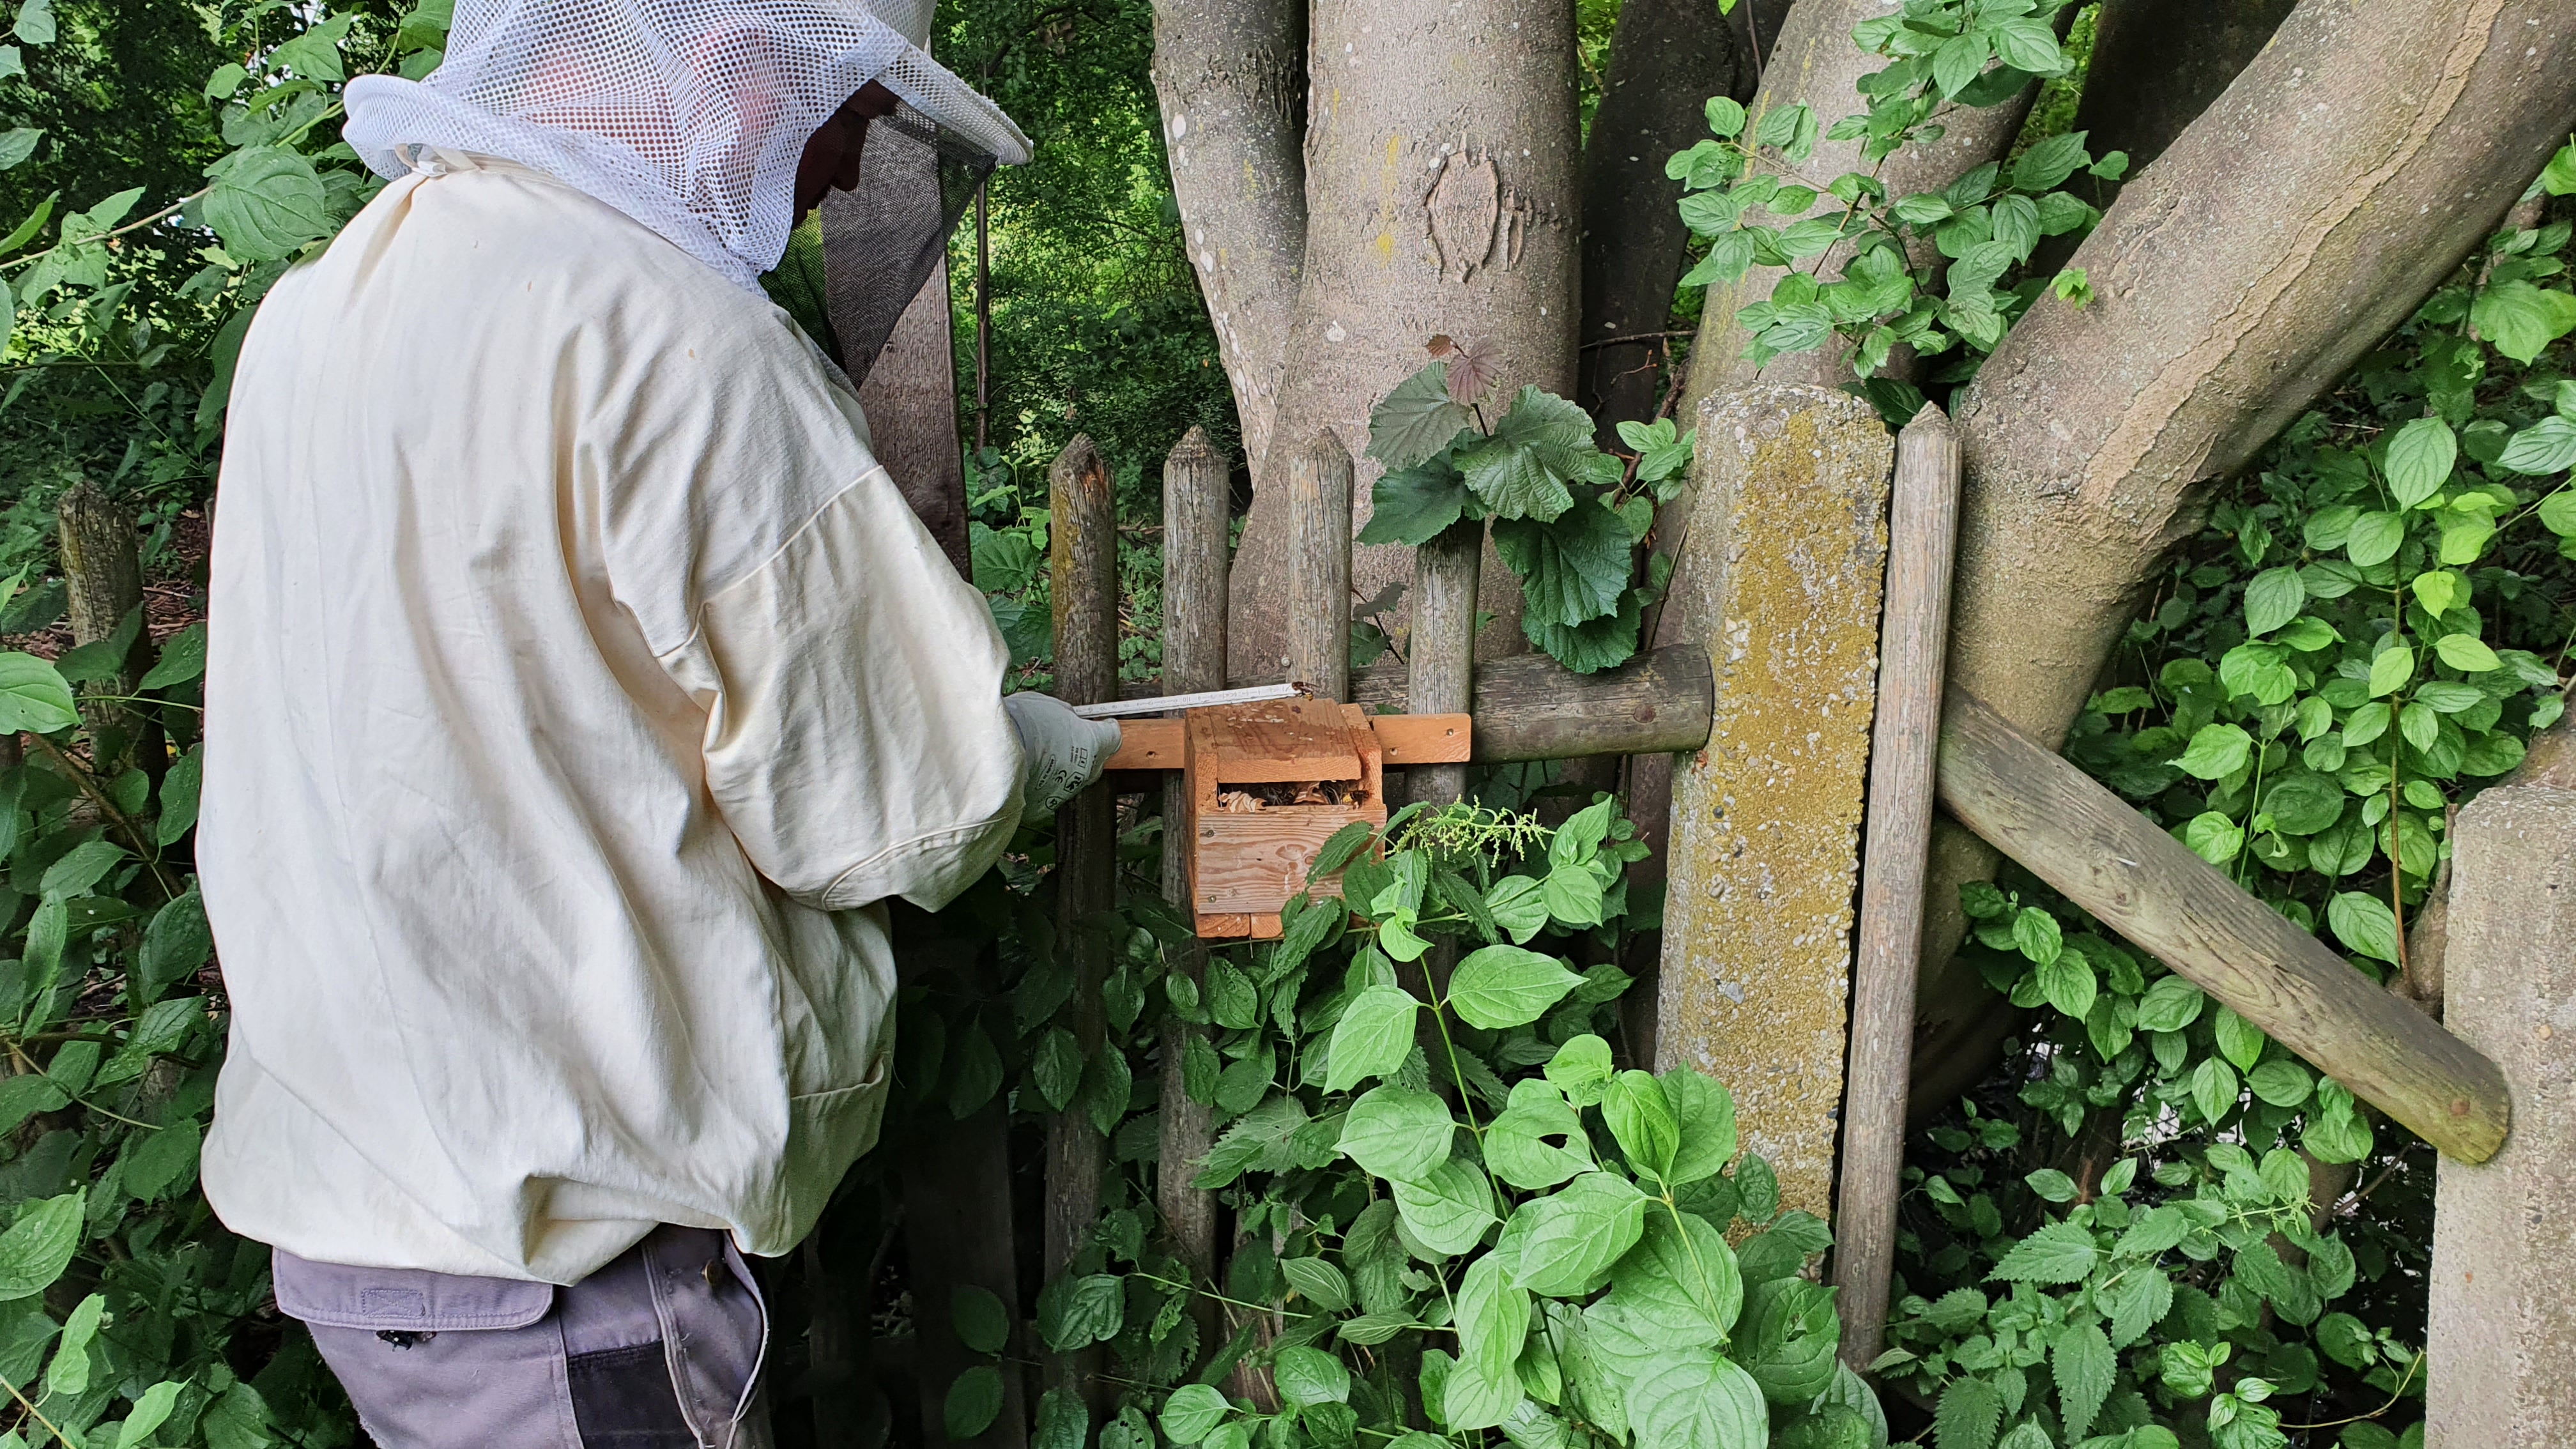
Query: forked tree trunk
{"points": [[1440, 199], [1231, 78], [1666, 59], [2345, 173], [2157, 64]]}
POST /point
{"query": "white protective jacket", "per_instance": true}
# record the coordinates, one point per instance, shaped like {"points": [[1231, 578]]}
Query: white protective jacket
{"points": [[577, 680]]}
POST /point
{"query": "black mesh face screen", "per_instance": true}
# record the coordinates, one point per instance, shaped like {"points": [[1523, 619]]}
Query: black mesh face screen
{"points": [[886, 237]]}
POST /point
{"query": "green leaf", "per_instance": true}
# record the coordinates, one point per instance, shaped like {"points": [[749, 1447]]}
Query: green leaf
{"points": [[2213, 837], [1518, 906], [978, 1319], [1500, 987], [1958, 61], [17, 145], [79, 869], [1417, 420], [1493, 1318], [1788, 1339], [1968, 1414], [2462, 652], [1581, 1069], [2037, 935], [183, 657], [175, 945], [68, 1375], [1517, 1148], [1310, 1376], [35, 22], [1680, 1280], [1449, 1210], [2374, 538], [1398, 1133], [2365, 924], [1318, 1281], [2280, 1083], [2057, 1253], [2083, 1365], [1705, 1114], [2521, 319], [2390, 670], [1193, 1412], [2273, 598], [2049, 162], [2052, 1184], [1074, 1312], [1469, 1400], [1415, 505], [1562, 1244], [2420, 456], [974, 1402], [1373, 1037], [1572, 569], [2547, 446], [2213, 1088], [1725, 117], [150, 1412], [1641, 1118], [33, 696], [1690, 1398], [2068, 984], [267, 204], [35, 1251], [2216, 751], [1064, 1422]]}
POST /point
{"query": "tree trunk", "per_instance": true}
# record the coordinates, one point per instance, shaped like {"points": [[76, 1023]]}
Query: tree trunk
{"points": [[2344, 174], [1666, 59], [1440, 198], [1816, 64], [910, 398], [1230, 77], [2157, 64]]}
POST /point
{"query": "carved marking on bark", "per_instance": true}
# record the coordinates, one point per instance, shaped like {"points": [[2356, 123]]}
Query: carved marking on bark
{"points": [[1463, 211], [2162, 403]]}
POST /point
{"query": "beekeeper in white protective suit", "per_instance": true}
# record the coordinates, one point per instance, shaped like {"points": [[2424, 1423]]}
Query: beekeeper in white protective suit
{"points": [[579, 686]]}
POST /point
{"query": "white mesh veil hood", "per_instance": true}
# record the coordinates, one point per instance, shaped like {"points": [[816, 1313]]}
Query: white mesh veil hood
{"points": [[687, 115]]}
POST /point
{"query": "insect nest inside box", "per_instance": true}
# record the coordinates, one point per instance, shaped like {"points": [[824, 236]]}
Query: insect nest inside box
{"points": [[1251, 799]]}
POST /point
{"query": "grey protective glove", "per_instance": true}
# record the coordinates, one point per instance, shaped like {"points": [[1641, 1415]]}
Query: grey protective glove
{"points": [[1065, 752]]}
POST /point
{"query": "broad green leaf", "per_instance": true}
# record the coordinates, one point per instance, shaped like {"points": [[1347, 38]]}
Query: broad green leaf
{"points": [[2366, 924], [2521, 319], [1680, 1280], [2052, 1184], [1310, 1376], [2058, 1253], [2281, 1083], [1581, 1069], [35, 23], [17, 145], [1415, 505], [1500, 987], [267, 204], [1470, 1399], [1517, 1145], [1398, 1133], [1968, 1415], [33, 696], [2302, 803], [34, 1252], [150, 1412], [1690, 1398], [1573, 895], [2462, 652], [2374, 538], [1642, 1120], [1318, 1281], [1449, 1210], [2083, 1365], [2048, 162], [2547, 446], [2213, 837], [2215, 752], [183, 657], [1572, 569], [1705, 1113], [2420, 456], [1193, 1412], [84, 866], [1561, 1244], [974, 1402], [1373, 1037], [2037, 935], [2390, 669], [68, 1374], [2213, 1088], [2273, 598], [1064, 1422], [1074, 1312], [1417, 420], [1493, 1318], [2067, 982], [1788, 1338], [979, 1319], [1518, 906]]}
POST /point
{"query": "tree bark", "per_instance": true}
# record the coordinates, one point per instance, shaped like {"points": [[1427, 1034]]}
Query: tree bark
{"points": [[1229, 74], [910, 398], [2345, 173], [1666, 59], [1441, 154], [2157, 64]]}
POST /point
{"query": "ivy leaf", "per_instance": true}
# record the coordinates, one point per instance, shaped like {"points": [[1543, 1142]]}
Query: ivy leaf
{"points": [[1417, 420], [1415, 505], [1571, 569], [1373, 1037], [2057, 1253], [2420, 456], [1500, 987], [1398, 1133], [2521, 319]]}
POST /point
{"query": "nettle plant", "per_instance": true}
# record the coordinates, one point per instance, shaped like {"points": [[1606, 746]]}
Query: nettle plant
{"points": [[1451, 1206], [1926, 270], [2171, 1225], [1567, 517]]}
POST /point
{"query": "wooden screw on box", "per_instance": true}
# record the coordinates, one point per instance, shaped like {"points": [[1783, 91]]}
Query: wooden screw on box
{"points": [[1268, 784]]}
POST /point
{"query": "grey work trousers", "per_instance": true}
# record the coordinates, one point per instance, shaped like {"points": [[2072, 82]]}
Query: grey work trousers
{"points": [[661, 1349]]}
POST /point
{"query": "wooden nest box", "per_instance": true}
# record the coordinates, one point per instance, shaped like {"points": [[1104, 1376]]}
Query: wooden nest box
{"points": [[1267, 785]]}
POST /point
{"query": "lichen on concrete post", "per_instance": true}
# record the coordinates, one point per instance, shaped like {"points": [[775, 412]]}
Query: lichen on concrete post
{"points": [[2503, 1332], [1780, 580]]}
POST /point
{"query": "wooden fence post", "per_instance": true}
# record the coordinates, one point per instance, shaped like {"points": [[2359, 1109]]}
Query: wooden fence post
{"points": [[103, 575], [1923, 521], [1083, 535], [1440, 653], [1779, 581], [1195, 489], [2502, 1335], [1319, 566]]}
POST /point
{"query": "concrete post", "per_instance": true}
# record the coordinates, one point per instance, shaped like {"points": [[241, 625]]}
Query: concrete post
{"points": [[2503, 1334], [1779, 580]]}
